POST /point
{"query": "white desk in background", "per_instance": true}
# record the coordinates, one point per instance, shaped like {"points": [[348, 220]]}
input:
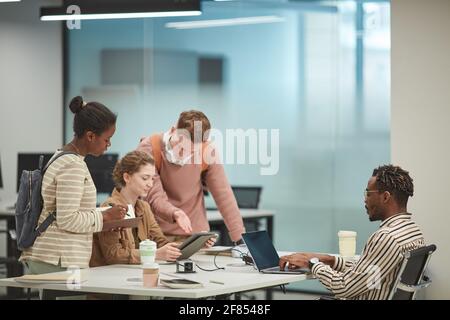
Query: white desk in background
{"points": [[214, 218], [123, 279], [13, 267]]}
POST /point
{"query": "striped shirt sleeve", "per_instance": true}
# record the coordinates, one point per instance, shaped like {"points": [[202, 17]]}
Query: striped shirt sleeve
{"points": [[341, 264], [70, 187], [381, 255]]}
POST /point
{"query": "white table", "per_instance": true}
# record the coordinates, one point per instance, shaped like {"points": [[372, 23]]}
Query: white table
{"points": [[121, 279], [214, 217]]}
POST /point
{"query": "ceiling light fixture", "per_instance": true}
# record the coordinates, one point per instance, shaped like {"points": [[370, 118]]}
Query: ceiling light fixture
{"points": [[223, 22], [120, 9]]}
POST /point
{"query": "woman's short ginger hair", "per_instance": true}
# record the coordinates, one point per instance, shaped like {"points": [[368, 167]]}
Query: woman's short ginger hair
{"points": [[130, 163]]}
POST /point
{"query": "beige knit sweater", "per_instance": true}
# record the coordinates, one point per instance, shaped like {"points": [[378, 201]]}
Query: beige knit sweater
{"points": [[67, 187]]}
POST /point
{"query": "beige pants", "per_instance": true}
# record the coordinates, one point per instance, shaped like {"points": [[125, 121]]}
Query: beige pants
{"points": [[39, 267]]}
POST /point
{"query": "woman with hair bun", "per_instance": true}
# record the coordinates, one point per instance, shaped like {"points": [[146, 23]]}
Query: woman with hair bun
{"points": [[68, 190]]}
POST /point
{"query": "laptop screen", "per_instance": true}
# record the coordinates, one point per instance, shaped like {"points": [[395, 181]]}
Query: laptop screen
{"points": [[261, 248]]}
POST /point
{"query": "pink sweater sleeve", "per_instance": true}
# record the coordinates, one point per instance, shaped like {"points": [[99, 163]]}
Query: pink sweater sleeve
{"points": [[157, 197], [218, 185]]}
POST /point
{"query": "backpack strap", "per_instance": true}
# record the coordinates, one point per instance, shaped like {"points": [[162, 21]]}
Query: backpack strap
{"points": [[46, 223], [54, 158], [204, 163], [41, 162], [155, 141], [52, 216]]}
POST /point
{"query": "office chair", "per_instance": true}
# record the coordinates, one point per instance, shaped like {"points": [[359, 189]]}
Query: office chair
{"points": [[411, 277]]}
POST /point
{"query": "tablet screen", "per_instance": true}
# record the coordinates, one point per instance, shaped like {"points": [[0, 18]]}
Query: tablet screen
{"points": [[195, 237], [194, 243]]}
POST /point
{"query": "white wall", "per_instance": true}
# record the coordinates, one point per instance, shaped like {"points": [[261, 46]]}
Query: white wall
{"points": [[420, 127], [31, 88]]}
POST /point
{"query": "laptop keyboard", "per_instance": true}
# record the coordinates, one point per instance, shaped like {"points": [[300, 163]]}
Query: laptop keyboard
{"points": [[277, 270]]}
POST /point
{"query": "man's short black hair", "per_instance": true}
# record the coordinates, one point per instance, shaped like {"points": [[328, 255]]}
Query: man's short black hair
{"points": [[396, 181]]}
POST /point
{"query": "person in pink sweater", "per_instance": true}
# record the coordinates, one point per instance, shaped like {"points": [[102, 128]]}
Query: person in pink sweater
{"points": [[185, 164]]}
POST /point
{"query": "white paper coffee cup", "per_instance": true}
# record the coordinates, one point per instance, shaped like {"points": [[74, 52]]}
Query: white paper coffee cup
{"points": [[347, 243], [150, 275]]}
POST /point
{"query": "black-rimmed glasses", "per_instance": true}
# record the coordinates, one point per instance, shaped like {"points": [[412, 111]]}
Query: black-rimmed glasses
{"points": [[366, 192]]}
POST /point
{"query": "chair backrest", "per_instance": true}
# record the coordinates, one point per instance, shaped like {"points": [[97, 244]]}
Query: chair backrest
{"points": [[411, 278], [247, 197]]}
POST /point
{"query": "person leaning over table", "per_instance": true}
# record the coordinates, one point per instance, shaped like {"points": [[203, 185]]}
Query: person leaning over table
{"points": [[133, 177], [68, 189], [373, 274], [183, 170]]}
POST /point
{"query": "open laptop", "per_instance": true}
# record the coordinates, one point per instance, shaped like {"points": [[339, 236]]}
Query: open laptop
{"points": [[264, 255]]}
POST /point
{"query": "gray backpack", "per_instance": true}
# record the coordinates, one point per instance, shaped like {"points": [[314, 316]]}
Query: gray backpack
{"points": [[30, 203]]}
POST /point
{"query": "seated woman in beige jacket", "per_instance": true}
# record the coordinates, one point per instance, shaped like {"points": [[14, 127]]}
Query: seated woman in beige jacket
{"points": [[133, 177]]}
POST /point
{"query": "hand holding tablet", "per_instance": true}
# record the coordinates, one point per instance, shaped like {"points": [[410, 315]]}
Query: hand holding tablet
{"points": [[194, 243]]}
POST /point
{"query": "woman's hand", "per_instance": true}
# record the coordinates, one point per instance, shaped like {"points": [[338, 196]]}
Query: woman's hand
{"points": [[211, 241], [116, 212], [183, 220], [168, 252]]}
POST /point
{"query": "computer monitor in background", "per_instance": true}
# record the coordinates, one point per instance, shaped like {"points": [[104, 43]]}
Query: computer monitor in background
{"points": [[29, 161], [247, 197], [101, 169]]}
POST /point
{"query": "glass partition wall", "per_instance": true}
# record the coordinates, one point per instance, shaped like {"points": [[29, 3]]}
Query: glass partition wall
{"points": [[304, 85]]}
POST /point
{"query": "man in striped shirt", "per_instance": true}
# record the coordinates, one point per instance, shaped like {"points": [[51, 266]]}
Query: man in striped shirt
{"points": [[372, 275]]}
